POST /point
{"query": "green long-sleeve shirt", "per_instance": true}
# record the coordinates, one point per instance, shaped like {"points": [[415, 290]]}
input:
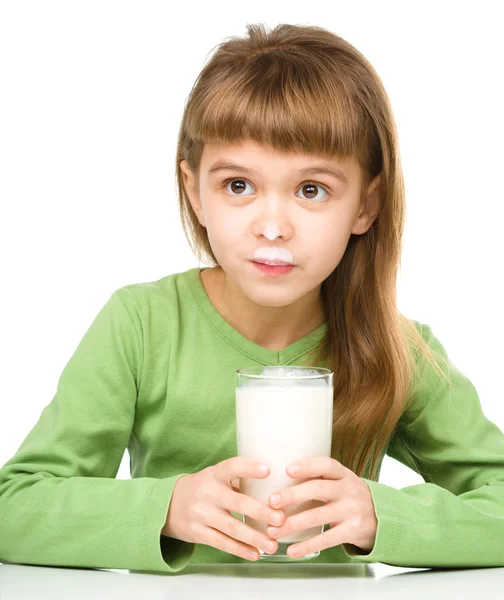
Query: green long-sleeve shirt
{"points": [[155, 373]]}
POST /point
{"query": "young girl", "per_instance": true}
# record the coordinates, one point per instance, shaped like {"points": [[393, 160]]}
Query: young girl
{"points": [[287, 151]]}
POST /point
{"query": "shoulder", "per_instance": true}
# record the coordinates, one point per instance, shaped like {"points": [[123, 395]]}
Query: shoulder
{"points": [[156, 308], [434, 376], [434, 345], [425, 330], [145, 297]]}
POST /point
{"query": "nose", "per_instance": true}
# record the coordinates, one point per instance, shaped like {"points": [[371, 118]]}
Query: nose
{"points": [[274, 220], [271, 232]]}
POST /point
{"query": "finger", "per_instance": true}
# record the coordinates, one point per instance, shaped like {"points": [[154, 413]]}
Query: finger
{"points": [[238, 530], [239, 466], [323, 467], [327, 539], [314, 517], [314, 489], [217, 539], [247, 505]]}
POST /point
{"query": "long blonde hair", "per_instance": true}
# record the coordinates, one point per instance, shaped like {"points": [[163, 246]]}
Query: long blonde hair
{"points": [[303, 88]]}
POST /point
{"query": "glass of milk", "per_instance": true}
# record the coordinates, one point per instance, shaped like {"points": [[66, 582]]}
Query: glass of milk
{"points": [[283, 415]]}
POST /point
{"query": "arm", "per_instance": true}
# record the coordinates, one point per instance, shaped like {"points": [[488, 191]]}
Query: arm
{"points": [[456, 518], [60, 503]]}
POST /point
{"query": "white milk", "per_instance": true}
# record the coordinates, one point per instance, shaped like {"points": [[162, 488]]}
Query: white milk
{"points": [[279, 425]]}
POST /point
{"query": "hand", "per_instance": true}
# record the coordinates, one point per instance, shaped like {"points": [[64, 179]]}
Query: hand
{"points": [[200, 506], [348, 508]]}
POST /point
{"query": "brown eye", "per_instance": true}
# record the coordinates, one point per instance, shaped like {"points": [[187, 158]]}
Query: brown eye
{"points": [[310, 188], [237, 185]]}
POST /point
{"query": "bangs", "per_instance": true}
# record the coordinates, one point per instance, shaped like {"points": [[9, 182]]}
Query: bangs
{"points": [[282, 101]]}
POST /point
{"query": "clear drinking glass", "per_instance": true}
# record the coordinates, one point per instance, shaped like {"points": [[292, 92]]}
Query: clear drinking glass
{"points": [[283, 414]]}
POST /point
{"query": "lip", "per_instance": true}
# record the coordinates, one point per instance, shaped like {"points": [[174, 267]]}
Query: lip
{"points": [[274, 270], [272, 255], [274, 263]]}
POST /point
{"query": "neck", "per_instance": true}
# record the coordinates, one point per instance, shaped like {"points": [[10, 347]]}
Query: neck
{"points": [[274, 328]]}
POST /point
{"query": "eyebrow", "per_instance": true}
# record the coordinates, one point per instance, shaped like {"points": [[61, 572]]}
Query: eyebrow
{"points": [[225, 165]]}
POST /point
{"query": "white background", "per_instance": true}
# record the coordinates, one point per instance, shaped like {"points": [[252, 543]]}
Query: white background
{"points": [[91, 98]]}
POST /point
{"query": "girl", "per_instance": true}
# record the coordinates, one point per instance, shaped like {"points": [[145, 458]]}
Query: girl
{"points": [[287, 151]]}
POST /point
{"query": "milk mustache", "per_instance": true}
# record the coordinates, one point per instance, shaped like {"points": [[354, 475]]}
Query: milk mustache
{"points": [[281, 418]]}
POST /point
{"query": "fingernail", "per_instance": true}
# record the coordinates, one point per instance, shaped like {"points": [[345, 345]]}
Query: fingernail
{"points": [[275, 498], [263, 468], [276, 518], [292, 470]]}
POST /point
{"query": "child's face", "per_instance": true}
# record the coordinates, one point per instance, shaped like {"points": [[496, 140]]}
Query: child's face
{"points": [[314, 223]]}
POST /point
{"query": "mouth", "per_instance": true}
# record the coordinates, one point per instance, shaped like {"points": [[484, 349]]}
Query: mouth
{"points": [[274, 263], [274, 270]]}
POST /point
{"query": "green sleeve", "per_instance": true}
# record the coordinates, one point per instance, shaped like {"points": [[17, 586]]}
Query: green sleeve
{"points": [[455, 518], [60, 503]]}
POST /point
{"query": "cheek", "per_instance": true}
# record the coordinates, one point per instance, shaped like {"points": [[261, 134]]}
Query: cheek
{"points": [[327, 242], [329, 232], [224, 227]]}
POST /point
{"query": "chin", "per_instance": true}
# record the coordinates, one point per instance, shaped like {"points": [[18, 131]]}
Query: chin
{"points": [[271, 298]]}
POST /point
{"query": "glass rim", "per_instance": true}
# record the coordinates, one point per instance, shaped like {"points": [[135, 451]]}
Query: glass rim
{"points": [[322, 372]]}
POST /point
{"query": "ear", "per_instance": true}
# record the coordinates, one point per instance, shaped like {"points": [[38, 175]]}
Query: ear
{"points": [[371, 207], [192, 190]]}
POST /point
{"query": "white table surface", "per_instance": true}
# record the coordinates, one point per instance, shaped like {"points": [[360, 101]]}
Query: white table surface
{"points": [[252, 582]]}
